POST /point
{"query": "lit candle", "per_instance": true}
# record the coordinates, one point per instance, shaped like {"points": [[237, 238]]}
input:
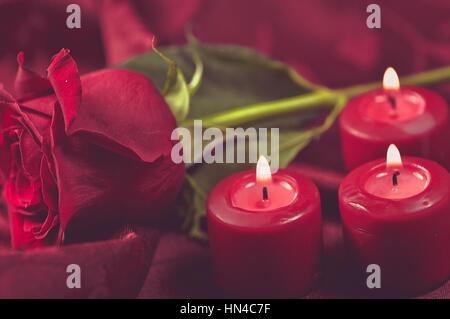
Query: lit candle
{"points": [[415, 119], [252, 194], [395, 180], [396, 214], [265, 233]]}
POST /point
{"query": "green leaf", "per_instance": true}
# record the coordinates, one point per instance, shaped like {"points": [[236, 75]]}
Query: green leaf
{"points": [[232, 76], [174, 87]]}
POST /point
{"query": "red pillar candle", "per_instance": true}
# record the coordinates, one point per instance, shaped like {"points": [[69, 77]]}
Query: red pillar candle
{"points": [[415, 119], [265, 233], [397, 215]]}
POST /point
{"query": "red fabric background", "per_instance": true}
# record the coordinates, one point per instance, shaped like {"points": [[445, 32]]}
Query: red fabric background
{"points": [[326, 40]]}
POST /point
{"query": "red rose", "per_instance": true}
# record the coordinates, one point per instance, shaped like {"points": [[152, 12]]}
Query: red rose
{"points": [[82, 155]]}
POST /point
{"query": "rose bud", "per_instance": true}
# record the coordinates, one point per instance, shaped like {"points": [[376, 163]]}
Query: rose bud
{"points": [[82, 156]]}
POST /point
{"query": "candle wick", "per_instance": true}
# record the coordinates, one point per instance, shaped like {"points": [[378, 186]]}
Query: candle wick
{"points": [[392, 102], [395, 178], [265, 193]]}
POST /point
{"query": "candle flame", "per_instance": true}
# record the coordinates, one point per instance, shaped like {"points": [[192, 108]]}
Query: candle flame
{"points": [[263, 173], [390, 79], [393, 157]]}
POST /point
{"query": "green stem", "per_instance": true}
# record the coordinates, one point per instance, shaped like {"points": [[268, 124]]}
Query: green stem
{"points": [[258, 111], [321, 97]]}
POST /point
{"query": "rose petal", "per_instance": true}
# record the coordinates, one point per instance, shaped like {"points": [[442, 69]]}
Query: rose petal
{"points": [[116, 107], [132, 114], [27, 82], [30, 155], [42, 106], [23, 192], [8, 138], [100, 189], [31, 223], [10, 109], [21, 239], [64, 78], [26, 192], [49, 187], [42, 230]]}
